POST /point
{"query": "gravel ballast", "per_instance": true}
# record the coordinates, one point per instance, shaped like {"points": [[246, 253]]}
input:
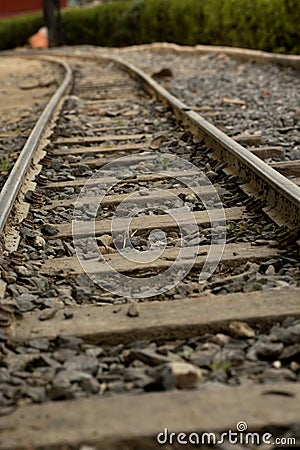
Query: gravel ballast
{"points": [[238, 97]]}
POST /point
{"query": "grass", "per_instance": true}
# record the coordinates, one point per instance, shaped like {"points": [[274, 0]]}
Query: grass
{"points": [[4, 165]]}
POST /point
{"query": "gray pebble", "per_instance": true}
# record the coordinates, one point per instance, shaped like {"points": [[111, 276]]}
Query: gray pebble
{"points": [[47, 314], [82, 363], [278, 374], [268, 349], [39, 343], [25, 302]]}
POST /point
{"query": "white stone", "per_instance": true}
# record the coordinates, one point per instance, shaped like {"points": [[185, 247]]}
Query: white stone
{"points": [[186, 375]]}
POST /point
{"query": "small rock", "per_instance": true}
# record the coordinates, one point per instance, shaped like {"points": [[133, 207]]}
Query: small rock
{"points": [[82, 363], [39, 241], [40, 282], [50, 303], [39, 344], [69, 342], [220, 339], [241, 329], [117, 387], [90, 385], [18, 363], [163, 379], [60, 393], [290, 352], [63, 354], [26, 302], [116, 350], [9, 277], [50, 361], [191, 198], [94, 351], [268, 350], [23, 271], [279, 374], [150, 357], [136, 373], [228, 356], [107, 377], [70, 251], [81, 293], [36, 393], [270, 270], [50, 293], [4, 375], [249, 139], [68, 315], [165, 72], [295, 366], [133, 310], [6, 315], [49, 230], [202, 358], [185, 375], [290, 335], [219, 375], [166, 348], [158, 140], [3, 338], [67, 377], [28, 232], [296, 115], [211, 175], [47, 314]]}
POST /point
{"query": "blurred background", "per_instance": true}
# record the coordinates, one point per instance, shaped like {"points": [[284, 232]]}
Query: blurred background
{"points": [[269, 25], [9, 8]]}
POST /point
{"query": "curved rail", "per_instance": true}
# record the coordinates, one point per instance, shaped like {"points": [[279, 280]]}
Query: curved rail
{"points": [[13, 184], [281, 194]]}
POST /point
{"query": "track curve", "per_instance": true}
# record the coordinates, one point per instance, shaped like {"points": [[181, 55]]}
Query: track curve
{"points": [[12, 185]]}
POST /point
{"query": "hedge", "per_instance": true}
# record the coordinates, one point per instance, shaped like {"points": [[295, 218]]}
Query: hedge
{"points": [[15, 32], [270, 25]]}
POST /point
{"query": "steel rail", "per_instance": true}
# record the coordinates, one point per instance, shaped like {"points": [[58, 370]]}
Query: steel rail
{"points": [[14, 181], [281, 195]]}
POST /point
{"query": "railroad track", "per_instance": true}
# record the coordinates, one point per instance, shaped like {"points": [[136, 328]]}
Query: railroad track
{"points": [[149, 275]]}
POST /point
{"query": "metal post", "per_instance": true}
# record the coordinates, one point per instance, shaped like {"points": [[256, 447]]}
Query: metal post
{"points": [[53, 21]]}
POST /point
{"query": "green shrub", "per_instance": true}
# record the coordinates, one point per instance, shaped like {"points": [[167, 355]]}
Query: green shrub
{"points": [[14, 32], [270, 25]]}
